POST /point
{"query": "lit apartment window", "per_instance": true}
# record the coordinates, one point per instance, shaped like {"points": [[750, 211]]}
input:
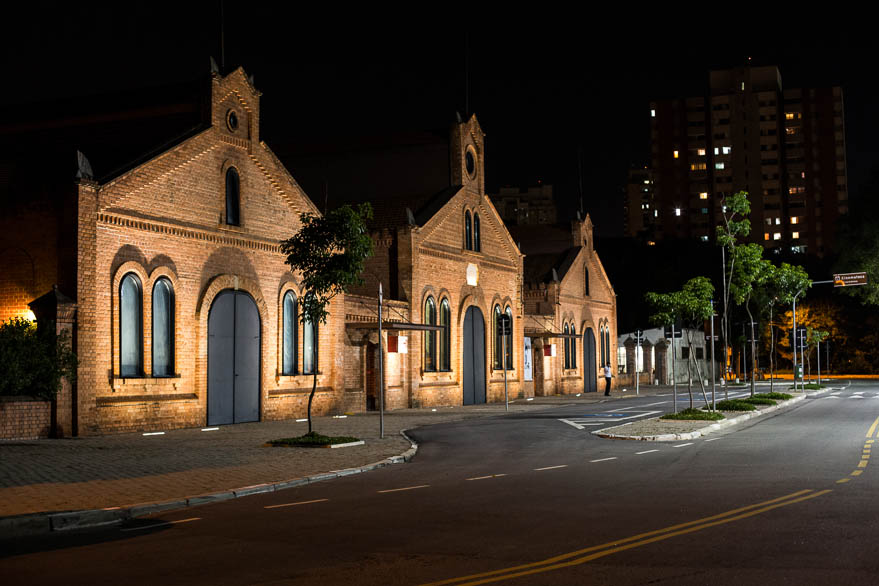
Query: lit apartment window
{"points": [[655, 213], [802, 174], [677, 211], [676, 154], [703, 195], [704, 238], [776, 236], [716, 151], [646, 182], [766, 236], [701, 152], [653, 113], [726, 150], [698, 166], [719, 165], [794, 220], [778, 221], [704, 210], [795, 235], [768, 221], [788, 115]]}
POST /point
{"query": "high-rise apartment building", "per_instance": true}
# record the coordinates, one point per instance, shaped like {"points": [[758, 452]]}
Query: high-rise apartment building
{"points": [[785, 147], [639, 210]]}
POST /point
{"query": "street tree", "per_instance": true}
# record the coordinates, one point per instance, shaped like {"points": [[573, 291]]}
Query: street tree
{"points": [[328, 252], [814, 337], [735, 210], [780, 285], [749, 270], [690, 307]]}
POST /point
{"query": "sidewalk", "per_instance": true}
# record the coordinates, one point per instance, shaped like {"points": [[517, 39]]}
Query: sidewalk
{"points": [[131, 471]]}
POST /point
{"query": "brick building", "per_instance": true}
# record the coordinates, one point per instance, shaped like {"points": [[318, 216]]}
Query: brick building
{"points": [[569, 302], [446, 263], [181, 294]]}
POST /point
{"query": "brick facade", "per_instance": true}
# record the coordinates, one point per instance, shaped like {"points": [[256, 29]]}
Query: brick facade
{"points": [[577, 295], [429, 258]]}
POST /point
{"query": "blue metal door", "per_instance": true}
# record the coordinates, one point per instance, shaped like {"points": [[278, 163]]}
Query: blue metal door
{"points": [[474, 357], [233, 359], [590, 375]]}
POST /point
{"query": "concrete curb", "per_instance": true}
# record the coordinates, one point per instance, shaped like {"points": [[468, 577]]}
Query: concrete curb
{"points": [[35, 524], [667, 437]]}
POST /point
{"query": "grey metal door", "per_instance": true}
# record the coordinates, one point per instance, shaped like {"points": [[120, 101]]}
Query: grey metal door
{"points": [[233, 359], [590, 376], [474, 357]]}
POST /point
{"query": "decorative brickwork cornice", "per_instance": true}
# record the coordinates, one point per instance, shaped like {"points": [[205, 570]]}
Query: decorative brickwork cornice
{"points": [[205, 235]]}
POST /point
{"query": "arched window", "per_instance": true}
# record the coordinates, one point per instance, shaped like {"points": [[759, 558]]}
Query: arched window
{"points": [[586, 280], [509, 313], [309, 347], [445, 335], [233, 189], [567, 347], [477, 244], [163, 328], [498, 340], [573, 346], [291, 319], [130, 326], [602, 357], [430, 335], [607, 341], [468, 231]]}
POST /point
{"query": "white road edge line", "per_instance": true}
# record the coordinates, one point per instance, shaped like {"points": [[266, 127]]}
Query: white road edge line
{"points": [[164, 524], [551, 467], [406, 488], [683, 445], [623, 409], [476, 478], [295, 504], [603, 459], [714, 439], [572, 423], [645, 452]]}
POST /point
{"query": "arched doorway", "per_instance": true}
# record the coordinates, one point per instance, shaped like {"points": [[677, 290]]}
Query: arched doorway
{"points": [[590, 376], [233, 359], [474, 357]]}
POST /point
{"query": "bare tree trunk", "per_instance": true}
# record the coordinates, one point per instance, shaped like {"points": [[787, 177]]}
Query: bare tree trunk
{"points": [[314, 381], [753, 345], [771, 351], [698, 373]]}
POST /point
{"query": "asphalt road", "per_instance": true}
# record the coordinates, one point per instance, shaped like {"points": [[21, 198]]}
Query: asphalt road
{"points": [[530, 499]]}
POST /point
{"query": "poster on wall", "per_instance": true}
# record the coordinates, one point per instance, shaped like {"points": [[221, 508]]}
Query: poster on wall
{"points": [[527, 356]]}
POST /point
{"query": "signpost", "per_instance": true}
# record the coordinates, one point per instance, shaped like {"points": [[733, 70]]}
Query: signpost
{"points": [[674, 379], [381, 369], [637, 364]]}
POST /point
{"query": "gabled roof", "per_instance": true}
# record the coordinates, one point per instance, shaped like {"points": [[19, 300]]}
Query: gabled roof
{"points": [[539, 267]]}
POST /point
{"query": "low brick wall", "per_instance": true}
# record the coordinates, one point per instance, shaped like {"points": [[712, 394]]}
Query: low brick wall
{"points": [[24, 418]]}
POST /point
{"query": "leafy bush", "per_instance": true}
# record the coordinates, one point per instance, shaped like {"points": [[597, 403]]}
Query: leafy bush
{"points": [[774, 395], [813, 386], [33, 361], [312, 439], [734, 405], [755, 400], [694, 414]]}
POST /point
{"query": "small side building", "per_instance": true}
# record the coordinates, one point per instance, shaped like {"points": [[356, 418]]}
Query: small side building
{"points": [[570, 309]]}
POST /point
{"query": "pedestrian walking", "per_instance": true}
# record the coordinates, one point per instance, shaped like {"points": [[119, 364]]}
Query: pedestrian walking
{"points": [[607, 376]]}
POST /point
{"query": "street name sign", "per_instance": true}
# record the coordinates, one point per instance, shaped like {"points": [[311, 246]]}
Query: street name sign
{"points": [[849, 279]]}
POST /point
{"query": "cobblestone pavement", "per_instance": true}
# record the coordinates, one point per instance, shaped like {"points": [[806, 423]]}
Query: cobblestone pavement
{"points": [[129, 469]]}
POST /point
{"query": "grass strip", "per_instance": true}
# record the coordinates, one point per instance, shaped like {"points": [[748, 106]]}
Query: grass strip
{"points": [[734, 405], [313, 440], [755, 400], [697, 414], [774, 395]]}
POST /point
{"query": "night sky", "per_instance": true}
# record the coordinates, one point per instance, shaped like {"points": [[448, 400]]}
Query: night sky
{"points": [[543, 84]]}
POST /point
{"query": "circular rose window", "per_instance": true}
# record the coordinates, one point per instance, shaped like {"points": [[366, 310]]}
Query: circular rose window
{"points": [[232, 120], [470, 163]]}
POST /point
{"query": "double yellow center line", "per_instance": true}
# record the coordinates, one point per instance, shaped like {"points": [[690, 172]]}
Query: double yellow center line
{"points": [[588, 554]]}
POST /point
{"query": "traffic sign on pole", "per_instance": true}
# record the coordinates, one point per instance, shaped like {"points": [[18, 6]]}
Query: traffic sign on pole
{"points": [[849, 279]]}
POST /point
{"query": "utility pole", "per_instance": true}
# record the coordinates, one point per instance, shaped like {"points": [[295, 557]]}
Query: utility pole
{"points": [[713, 382], [381, 370], [637, 364], [674, 378]]}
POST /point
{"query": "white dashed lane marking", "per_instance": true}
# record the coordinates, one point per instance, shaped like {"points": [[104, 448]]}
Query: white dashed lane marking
{"points": [[551, 467], [645, 452], [603, 459], [296, 504], [405, 488], [683, 445]]}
